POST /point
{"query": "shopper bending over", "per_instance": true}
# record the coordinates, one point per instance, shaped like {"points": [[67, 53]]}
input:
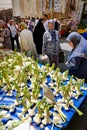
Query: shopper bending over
{"points": [[77, 59]]}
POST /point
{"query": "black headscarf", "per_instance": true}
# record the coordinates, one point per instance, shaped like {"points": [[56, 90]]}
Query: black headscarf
{"points": [[38, 36]]}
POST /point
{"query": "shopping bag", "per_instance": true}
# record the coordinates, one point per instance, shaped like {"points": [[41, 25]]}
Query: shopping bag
{"points": [[61, 56], [1, 39]]}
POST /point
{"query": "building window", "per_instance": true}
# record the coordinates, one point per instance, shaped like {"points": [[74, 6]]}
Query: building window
{"points": [[50, 4]]}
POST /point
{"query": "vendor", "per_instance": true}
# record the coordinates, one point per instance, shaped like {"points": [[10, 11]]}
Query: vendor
{"points": [[77, 59]]}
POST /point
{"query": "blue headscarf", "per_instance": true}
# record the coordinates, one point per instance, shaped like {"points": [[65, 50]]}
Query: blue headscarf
{"points": [[81, 45], [52, 31]]}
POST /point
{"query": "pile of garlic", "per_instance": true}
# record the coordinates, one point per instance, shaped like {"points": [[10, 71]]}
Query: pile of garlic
{"points": [[27, 78]]}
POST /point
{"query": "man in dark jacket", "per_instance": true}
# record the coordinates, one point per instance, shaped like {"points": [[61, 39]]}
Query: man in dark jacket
{"points": [[38, 35]]}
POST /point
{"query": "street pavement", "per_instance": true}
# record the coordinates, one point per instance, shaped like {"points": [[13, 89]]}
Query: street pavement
{"points": [[66, 49]]}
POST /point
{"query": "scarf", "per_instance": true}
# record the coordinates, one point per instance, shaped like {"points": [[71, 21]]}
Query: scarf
{"points": [[53, 34], [81, 48]]}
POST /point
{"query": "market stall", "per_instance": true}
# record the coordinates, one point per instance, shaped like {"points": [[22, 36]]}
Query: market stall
{"points": [[82, 29], [30, 91]]}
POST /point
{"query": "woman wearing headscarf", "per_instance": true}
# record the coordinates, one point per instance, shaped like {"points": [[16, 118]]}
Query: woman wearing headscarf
{"points": [[51, 44], [77, 59], [38, 35], [6, 35], [26, 41]]}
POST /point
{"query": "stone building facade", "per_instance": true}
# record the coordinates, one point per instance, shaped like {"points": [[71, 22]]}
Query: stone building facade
{"points": [[54, 8], [25, 8], [35, 8]]}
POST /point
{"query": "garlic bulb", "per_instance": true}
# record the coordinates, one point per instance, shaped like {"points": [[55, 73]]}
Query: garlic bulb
{"points": [[65, 106], [42, 126], [9, 124], [31, 112], [12, 107], [9, 94], [46, 121], [37, 119], [7, 116], [30, 119], [19, 115], [83, 88], [3, 113], [57, 119], [1, 123], [16, 103]]}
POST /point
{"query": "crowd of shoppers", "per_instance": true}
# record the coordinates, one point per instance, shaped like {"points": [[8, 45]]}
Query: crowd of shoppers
{"points": [[41, 36]]}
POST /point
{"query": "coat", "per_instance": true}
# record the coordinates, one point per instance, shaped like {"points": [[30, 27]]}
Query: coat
{"points": [[38, 36], [77, 61], [51, 46], [26, 42], [7, 41]]}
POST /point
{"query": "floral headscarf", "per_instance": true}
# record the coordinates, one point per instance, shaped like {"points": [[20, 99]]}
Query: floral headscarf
{"points": [[80, 45], [75, 38], [51, 21], [52, 31]]}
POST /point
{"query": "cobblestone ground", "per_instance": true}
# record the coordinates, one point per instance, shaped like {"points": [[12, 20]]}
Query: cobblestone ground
{"points": [[77, 122]]}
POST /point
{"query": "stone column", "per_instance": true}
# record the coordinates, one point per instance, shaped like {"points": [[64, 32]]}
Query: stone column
{"points": [[22, 8], [26, 7], [39, 8], [16, 7]]}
